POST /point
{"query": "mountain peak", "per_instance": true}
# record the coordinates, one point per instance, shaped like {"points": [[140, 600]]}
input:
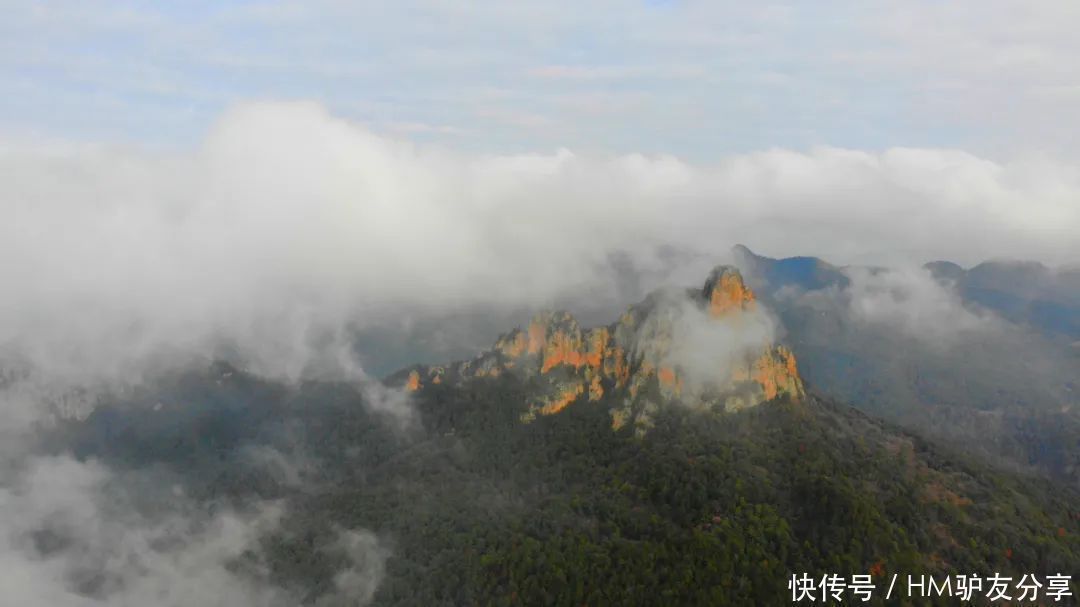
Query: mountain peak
{"points": [[945, 270], [726, 292], [707, 349], [741, 251], [769, 274]]}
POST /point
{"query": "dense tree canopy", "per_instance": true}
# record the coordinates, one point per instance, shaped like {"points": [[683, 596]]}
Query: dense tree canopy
{"points": [[480, 508]]}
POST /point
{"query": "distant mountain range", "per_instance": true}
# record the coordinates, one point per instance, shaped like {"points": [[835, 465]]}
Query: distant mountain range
{"points": [[1026, 293], [984, 358], [1023, 292]]}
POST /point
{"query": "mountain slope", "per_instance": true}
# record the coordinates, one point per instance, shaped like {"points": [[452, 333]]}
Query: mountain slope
{"points": [[488, 499], [477, 507]]}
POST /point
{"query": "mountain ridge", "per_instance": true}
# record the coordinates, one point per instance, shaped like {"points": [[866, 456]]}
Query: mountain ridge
{"points": [[648, 356]]}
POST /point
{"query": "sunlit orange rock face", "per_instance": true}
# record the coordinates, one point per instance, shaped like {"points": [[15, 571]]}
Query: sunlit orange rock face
{"points": [[562, 348], [666, 376], [727, 293], [512, 345], [413, 383], [563, 398], [625, 364], [777, 373], [671, 383], [617, 366]]}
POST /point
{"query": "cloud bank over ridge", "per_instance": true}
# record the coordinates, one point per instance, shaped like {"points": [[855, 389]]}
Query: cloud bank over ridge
{"points": [[288, 226]]}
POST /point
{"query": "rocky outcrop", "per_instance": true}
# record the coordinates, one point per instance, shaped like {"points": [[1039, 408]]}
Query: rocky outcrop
{"points": [[727, 293], [631, 365]]}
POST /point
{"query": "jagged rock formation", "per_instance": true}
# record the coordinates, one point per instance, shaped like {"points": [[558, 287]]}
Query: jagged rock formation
{"points": [[641, 361]]}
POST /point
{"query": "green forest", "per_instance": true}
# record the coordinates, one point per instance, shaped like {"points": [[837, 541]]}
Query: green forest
{"points": [[478, 508]]}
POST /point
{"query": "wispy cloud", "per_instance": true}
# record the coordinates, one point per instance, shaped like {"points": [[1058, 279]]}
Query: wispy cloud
{"points": [[614, 72], [986, 77]]}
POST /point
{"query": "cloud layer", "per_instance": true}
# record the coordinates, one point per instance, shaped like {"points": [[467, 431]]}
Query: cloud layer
{"points": [[77, 534], [909, 299], [69, 540], [288, 228]]}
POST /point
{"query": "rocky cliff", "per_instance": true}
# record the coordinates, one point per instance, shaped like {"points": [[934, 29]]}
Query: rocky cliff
{"points": [[709, 348]]}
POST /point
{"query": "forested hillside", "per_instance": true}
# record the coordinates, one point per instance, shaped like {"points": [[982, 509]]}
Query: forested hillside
{"points": [[476, 507]]}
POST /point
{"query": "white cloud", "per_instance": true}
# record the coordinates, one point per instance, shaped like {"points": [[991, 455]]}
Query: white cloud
{"points": [[288, 227], [706, 350], [356, 584], [73, 534], [911, 300], [62, 545]]}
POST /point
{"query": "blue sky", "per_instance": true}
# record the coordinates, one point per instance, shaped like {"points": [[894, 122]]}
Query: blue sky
{"points": [[699, 80]]}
